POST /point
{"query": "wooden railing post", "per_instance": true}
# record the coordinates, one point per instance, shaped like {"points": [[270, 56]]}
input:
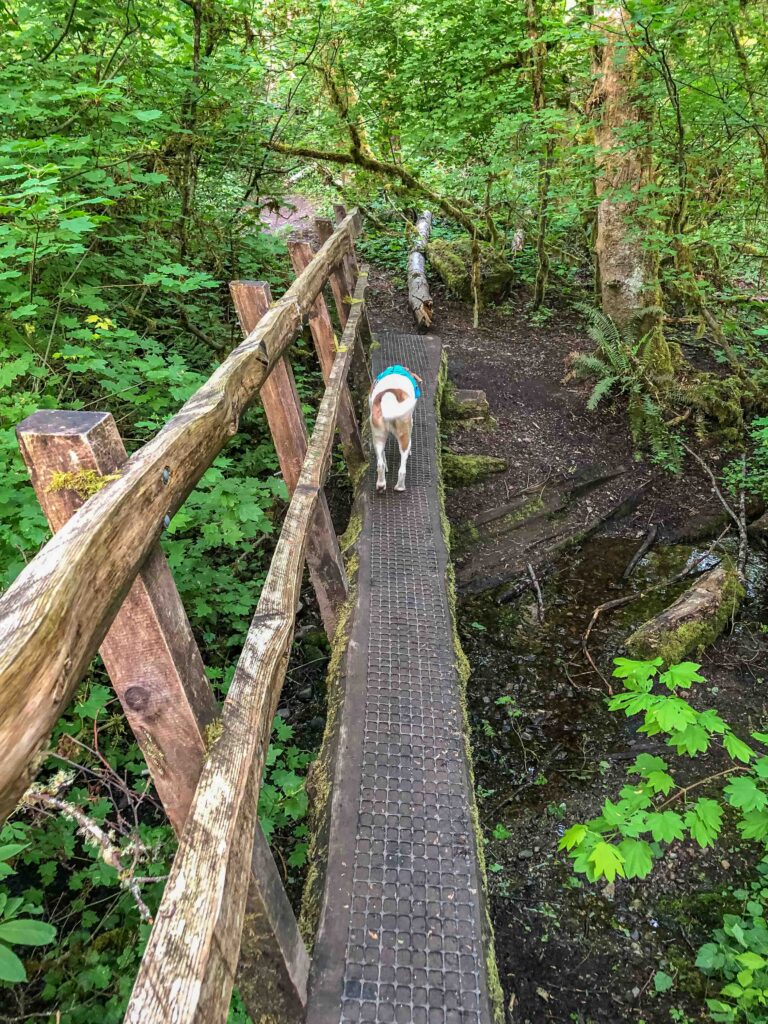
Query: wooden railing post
{"points": [[289, 432], [343, 288], [149, 652], [322, 333], [156, 669], [57, 611]]}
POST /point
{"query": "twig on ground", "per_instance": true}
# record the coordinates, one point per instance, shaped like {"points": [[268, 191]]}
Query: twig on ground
{"points": [[537, 590], [739, 518], [95, 834], [648, 541]]}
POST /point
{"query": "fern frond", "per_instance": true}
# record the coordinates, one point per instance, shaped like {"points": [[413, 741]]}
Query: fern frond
{"points": [[591, 365], [599, 392]]}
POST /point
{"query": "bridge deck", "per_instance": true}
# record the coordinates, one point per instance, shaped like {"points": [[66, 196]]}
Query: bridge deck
{"points": [[401, 935]]}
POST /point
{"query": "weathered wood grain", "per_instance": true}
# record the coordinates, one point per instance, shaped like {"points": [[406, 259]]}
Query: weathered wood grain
{"points": [[419, 295], [323, 336], [188, 969], [149, 652], [343, 288], [289, 433], [56, 613], [155, 666]]}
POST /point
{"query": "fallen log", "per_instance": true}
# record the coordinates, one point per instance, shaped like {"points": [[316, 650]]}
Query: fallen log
{"points": [[419, 296], [693, 621]]}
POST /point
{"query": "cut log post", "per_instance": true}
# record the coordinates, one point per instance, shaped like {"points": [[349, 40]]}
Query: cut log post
{"points": [[343, 288], [155, 667], [55, 614], [187, 971], [289, 432], [323, 336], [419, 296], [693, 621]]}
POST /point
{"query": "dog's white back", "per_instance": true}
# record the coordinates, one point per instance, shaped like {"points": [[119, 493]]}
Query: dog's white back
{"points": [[392, 401]]}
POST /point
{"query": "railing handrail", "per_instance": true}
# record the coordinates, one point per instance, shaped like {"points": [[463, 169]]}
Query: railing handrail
{"points": [[189, 964], [56, 613]]}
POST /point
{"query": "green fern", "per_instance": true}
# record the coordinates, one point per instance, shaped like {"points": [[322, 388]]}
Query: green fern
{"points": [[599, 391], [616, 366]]}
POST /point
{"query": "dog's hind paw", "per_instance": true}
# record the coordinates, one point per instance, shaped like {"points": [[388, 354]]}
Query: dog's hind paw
{"points": [[400, 487], [380, 488]]}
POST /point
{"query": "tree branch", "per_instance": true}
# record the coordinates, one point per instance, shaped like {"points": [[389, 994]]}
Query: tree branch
{"points": [[369, 163]]}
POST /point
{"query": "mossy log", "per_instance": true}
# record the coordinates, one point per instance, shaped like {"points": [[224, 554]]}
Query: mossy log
{"points": [[693, 621], [452, 259], [419, 296], [464, 470]]}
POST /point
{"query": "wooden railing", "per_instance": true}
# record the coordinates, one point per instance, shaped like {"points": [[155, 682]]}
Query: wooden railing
{"points": [[103, 583]]}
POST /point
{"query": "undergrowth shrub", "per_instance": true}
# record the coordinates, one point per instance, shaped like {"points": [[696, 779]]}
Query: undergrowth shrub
{"points": [[654, 811], [617, 367]]}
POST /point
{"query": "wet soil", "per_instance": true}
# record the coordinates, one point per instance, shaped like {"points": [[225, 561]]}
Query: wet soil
{"points": [[547, 751]]}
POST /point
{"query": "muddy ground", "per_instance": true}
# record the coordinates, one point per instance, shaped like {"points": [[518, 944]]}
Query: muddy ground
{"points": [[568, 950]]}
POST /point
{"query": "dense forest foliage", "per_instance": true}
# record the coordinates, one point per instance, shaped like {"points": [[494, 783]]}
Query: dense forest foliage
{"points": [[613, 155]]}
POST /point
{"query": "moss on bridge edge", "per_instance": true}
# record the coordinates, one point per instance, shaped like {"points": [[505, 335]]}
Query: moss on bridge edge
{"points": [[320, 775], [495, 991]]}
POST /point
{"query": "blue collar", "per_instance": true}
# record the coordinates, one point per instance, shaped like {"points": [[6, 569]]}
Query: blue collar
{"points": [[405, 373]]}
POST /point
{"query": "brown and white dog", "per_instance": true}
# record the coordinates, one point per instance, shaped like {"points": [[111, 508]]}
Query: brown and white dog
{"points": [[392, 400]]}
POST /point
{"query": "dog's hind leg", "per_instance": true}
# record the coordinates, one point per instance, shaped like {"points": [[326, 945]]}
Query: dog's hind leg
{"points": [[379, 443], [403, 432]]}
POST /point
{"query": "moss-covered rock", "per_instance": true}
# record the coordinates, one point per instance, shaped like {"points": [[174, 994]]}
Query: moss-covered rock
{"points": [[463, 470], [464, 406], [452, 260]]}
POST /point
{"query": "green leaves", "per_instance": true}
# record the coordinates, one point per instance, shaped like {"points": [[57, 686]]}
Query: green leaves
{"points": [[573, 837], [704, 821], [11, 968], [743, 792], [607, 862], [666, 826], [637, 857], [26, 932], [643, 813], [662, 982]]}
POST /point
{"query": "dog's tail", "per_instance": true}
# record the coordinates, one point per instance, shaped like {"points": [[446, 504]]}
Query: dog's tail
{"points": [[392, 409]]}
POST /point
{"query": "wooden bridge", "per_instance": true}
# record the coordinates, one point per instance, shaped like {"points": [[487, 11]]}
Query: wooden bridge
{"points": [[394, 907]]}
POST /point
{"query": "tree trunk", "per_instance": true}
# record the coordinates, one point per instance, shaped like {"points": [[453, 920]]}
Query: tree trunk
{"points": [[419, 297], [628, 268], [538, 60], [754, 107]]}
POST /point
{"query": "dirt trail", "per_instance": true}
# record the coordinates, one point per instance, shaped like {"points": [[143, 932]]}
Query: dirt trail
{"points": [[547, 751]]}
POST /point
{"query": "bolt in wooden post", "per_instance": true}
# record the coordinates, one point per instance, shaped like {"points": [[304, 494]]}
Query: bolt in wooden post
{"points": [[155, 667], [289, 433], [322, 334], [343, 288]]}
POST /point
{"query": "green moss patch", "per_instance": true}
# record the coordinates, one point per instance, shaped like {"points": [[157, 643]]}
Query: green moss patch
{"points": [[675, 644], [452, 259], [464, 470]]}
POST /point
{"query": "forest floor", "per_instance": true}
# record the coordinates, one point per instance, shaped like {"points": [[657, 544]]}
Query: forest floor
{"points": [[567, 950]]}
